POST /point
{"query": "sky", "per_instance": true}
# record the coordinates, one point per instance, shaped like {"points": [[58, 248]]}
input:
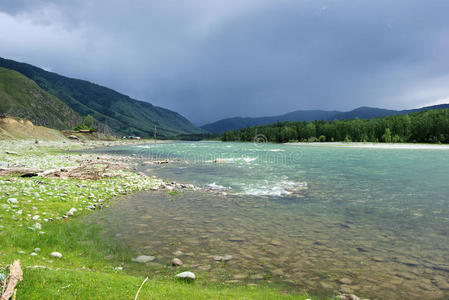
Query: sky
{"points": [[212, 59]]}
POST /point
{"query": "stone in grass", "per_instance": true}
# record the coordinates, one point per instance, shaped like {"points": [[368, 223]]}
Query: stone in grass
{"points": [[56, 254], [143, 258], [29, 174], [176, 262], [71, 212], [12, 201], [186, 276]]}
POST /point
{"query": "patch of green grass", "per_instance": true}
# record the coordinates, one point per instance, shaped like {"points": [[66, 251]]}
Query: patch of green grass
{"points": [[62, 284]]}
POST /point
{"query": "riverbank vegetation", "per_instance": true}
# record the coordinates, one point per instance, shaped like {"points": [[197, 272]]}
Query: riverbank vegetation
{"points": [[421, 127]]}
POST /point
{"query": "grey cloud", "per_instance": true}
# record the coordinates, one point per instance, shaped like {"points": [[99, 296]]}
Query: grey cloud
{"points": [[215, 59]]}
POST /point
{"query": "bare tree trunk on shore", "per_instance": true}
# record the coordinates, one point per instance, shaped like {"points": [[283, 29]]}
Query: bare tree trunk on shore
{"points": [[15, 275]]}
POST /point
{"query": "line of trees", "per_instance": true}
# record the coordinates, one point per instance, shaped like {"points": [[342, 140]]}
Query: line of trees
{"points": [[422, 127]]}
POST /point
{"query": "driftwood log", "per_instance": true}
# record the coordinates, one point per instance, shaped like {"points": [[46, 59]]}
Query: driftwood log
{"points": [[15, 275]]}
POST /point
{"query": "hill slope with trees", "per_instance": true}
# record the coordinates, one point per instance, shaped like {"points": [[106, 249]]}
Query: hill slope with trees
{"points": [[23, 98], [431, 126], [122, 114]]}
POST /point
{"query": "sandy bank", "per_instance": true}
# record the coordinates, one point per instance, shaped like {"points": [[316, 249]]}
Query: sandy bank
{"points": [[376, 145]]}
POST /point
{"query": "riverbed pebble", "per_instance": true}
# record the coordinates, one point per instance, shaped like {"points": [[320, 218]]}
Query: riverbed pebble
{"points": [[176, 262], [345, 281], [143, 258], [224, 258], [347, 297]]}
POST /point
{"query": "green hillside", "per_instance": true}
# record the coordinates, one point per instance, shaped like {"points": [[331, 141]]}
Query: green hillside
{"points": [[22, 97], [124, 115]]}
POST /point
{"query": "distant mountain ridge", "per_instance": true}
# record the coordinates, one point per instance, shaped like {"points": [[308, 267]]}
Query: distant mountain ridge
{"points": [[363, 112], [122, 114]]}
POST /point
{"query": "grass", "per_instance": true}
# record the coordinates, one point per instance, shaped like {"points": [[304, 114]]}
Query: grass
{"points": [[98, 285], [93, 265]]}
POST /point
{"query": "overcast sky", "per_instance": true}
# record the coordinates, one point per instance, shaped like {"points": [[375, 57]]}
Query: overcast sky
{"points": [[212, 59]]}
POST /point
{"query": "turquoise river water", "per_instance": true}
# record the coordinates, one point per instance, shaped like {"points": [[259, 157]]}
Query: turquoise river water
{"points": [[324, 219]]}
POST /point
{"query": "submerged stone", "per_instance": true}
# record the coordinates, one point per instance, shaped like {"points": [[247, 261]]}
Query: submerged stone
{"points": [[143, 258], [224, 258], [345, 280], [176, 262]]}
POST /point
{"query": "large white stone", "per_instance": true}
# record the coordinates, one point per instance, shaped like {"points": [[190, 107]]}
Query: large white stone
{"points": [[56, 254], [186, 275]]}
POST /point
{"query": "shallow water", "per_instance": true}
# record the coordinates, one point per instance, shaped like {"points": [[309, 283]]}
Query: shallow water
{"points": [[374, 222]]}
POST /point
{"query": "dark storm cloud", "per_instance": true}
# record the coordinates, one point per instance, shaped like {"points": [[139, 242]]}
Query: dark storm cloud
{"points": [[214, 59]]}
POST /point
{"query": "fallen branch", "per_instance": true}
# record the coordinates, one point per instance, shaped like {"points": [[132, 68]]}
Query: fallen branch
{"points": [[15, 275], [138, 291]]}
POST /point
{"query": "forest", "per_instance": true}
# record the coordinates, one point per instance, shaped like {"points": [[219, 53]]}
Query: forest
{"points": [[422, 127]]}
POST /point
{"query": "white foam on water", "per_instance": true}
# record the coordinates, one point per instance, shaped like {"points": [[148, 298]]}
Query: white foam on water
{"points": [[281, 188], [217, 187], [233, 160]]}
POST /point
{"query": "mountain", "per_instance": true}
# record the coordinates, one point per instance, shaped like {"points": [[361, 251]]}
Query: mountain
{"points": [[21, 97], [363, 112], [239, 122], [122, 114]]}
